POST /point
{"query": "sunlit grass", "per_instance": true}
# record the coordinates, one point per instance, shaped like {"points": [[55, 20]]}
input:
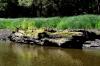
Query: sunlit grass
{"points": [[73, 22]]}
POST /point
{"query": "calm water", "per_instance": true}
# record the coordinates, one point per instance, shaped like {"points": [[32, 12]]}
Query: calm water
{"points": [[26, 55]]}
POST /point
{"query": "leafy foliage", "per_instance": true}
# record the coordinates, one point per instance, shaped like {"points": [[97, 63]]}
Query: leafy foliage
{"points": [[48, 8]]}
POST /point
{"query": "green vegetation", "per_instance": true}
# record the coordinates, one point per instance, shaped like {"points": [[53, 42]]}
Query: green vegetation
{"points": [[74, 22], [47, 8]]}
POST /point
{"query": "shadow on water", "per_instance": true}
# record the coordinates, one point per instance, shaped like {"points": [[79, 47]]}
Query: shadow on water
{"points": [[27, 55]]}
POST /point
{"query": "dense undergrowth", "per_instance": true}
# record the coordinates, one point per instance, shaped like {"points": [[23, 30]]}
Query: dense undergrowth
{"points": [[73, 22]]}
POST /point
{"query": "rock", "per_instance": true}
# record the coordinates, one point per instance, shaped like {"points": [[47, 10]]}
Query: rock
{"points": [[53, 42], [65, 39], [43, 35], [4, 34], [86, 45], [59, 41], [50, 30], [89, 44], [16, 37], [74, 43], [49, 43]]}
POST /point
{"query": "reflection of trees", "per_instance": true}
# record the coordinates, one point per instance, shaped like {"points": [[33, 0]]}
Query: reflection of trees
{"points": [[7, 56], [44, 56], [26, 55]]}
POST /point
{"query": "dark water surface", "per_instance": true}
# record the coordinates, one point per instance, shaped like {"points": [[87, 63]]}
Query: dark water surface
{"points": [[27, 55]]}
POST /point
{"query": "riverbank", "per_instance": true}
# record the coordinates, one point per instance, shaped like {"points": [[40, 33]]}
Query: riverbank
{"points": [[70, 32], [49, 37]]}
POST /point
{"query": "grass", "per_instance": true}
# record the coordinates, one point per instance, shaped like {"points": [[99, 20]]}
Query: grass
{"points": [[73, 22]]}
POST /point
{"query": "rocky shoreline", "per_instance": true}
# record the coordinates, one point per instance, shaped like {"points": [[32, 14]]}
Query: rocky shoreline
{"points": [[4, 34], [65, 39]]}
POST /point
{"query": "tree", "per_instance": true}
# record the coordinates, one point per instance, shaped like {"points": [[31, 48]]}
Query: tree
{"points": [[3, 7], [47, 8]]}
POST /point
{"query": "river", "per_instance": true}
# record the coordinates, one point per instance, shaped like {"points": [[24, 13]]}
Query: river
{"points": [[12, 54]]}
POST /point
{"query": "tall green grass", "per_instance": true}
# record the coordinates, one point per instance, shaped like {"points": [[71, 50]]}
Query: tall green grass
{"points": [[73, 22]]}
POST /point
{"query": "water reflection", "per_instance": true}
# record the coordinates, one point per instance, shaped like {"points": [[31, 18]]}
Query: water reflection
{"points": [[26, 55]]}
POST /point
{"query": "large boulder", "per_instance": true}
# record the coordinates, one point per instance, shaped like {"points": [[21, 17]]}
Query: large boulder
{"points": [[16, 37]]}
